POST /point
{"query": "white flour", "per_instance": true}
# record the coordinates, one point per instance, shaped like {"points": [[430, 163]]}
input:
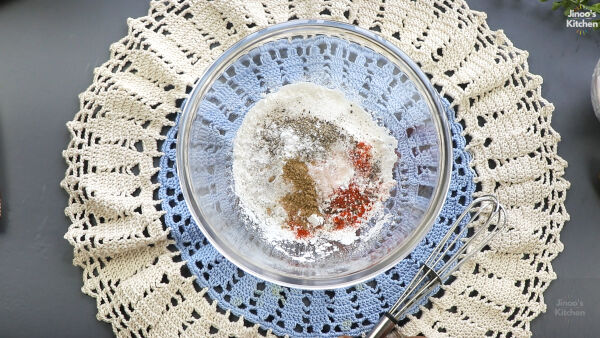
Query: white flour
{"points": [[258, 161]]}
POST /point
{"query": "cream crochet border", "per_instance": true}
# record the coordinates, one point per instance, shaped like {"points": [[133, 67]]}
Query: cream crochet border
{"points": [[122, 245]]}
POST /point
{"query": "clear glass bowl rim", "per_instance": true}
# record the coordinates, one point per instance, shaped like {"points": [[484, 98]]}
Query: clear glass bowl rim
{"points": [[381, 46]]}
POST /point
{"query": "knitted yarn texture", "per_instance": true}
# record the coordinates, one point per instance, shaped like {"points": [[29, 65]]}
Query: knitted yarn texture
{"points": [[132, 267], [288, 311]]}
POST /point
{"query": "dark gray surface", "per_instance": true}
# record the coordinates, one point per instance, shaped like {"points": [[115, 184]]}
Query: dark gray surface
{"points": [[48, 50]]}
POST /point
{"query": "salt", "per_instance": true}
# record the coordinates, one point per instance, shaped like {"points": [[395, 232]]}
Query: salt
{"points": [[332, 174], [315, 220]]}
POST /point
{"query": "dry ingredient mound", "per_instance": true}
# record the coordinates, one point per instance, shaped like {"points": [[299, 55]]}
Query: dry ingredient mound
{"points": [[309, 165]]}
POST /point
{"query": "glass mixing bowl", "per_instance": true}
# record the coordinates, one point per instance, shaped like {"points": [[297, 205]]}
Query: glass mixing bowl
{"points": [[368, 70]]}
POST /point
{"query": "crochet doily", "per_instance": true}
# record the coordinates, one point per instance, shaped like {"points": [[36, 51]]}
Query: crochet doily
{"points": [[132, 266], [287, 311]]}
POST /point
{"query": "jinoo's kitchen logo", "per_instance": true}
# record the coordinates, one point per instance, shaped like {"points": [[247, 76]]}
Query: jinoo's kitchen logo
{"points": [[582, 20]]}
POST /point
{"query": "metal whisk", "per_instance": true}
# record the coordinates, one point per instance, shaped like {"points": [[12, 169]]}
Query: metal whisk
{"points": [[439, 266]]}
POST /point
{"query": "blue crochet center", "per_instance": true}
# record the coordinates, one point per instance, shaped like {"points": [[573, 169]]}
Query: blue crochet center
{"points": [[346, 311]]}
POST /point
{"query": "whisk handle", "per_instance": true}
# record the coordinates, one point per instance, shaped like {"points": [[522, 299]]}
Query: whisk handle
{"points": [[385, 326]]}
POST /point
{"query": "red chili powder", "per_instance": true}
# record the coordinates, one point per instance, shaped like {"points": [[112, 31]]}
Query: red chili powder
{"points": [[350, 205], [361, 157], [301, 231]]}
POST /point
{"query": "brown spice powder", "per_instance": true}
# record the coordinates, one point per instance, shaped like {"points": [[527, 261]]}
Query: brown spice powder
{"points": [[302, 201]]}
